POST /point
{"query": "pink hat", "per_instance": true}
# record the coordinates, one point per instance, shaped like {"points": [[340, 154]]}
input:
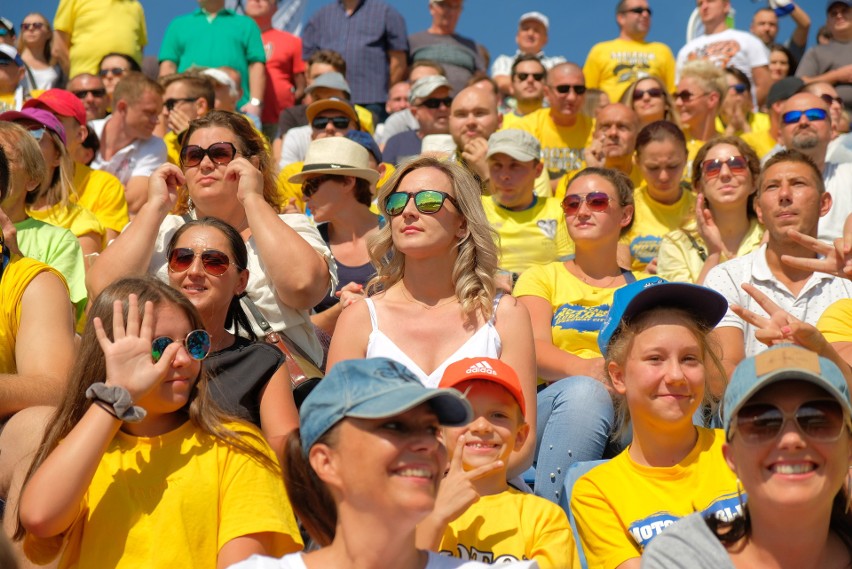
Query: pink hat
{"points": [[44, 118]]}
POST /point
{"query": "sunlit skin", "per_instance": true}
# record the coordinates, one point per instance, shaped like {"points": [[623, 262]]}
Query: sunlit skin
{"points": [[142, 116], [764, 25], [564, 107], [786, 200], [594, 226], [648, 108], [445, 16], [693, 114], [96, 107], [110, 80], [531, 37], [528, 89], [779, 65], [398, 97], [634, 26], [662, 165], [513, 180], [433, 121], [805, 135], [330, 130], [727, 190]]}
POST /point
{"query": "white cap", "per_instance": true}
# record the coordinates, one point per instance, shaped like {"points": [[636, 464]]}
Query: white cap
{"points": [[537, 16]]}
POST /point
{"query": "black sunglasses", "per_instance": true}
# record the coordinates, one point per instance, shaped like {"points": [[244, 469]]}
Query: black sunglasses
{"points": [[220, 153], [435, 102], [170, 103], [638, 11], [653, 92], [829, 99], [96, 93], [117, 71], [426, 201], [311, 185], [524, 76], [565, 89], [686, 96], [339, 123]]}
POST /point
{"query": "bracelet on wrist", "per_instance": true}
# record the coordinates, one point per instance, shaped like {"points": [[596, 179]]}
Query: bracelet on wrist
{"points": [[117, 401]]}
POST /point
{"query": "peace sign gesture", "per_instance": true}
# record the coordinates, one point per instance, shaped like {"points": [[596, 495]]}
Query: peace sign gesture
{"points": [[780, 326]]}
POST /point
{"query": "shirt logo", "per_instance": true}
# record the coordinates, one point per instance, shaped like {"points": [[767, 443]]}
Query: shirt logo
{"points": [[548, 227]]}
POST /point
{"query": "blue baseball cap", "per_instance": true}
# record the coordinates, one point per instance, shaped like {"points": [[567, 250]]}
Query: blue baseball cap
{"points": [[705, 305], [373, 388], [786, 362], [367, 141], [831, 3]]}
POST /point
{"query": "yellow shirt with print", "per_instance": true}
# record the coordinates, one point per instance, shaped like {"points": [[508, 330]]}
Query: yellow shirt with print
{"points": [[561, 147], [612, 66], [534, 236], [651, 221]]}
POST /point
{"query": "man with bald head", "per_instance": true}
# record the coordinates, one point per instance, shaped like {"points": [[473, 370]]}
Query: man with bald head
{"points": [[473, 119], [614, 140], [561, 129], [806, 127]]}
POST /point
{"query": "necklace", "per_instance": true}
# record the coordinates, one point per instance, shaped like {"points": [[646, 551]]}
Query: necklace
{"points": [[579, 273], [423, 304]]}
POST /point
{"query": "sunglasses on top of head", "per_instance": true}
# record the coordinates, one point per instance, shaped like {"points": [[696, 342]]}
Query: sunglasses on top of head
{"points": [[426, 201], [565, 89], [595, 201], [736, 164], [792, 117], [213, 262], [220, 153], [197, 344], [821, 421]]}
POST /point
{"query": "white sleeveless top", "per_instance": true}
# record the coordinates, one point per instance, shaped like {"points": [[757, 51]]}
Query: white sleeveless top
{"points": [[485, 342]]}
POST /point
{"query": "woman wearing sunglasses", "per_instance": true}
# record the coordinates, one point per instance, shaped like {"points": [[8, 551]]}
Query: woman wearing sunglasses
{"points": [[568, 302], [789, 442], [207, 263], [226, 172], [658, 360], [433, 300], [651, 101], [112, 68], [725, 224], [138, 462], [664, 200], [34, 46]]}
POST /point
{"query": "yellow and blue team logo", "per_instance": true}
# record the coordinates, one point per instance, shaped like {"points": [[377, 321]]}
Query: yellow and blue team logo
{"points": [[580, 318]]}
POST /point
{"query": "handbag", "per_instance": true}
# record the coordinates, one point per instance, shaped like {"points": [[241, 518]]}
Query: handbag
{"points": [[304, 373]]}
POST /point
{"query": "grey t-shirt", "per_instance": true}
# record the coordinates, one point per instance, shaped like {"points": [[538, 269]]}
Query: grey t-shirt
{"points": [[822, 58], [686, 544], [458, 55]]}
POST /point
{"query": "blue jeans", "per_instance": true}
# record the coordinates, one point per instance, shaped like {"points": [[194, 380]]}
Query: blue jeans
{"points": [[575, 419]]}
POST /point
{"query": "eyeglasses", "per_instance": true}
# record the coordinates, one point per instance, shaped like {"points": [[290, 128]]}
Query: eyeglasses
{"points": [[117, 71], [524, 76], [83, 93], [197, 344], [220, 153], [820, 421], [213, 262], [310, 186], [339, 123], [829, 99], [170, 103], [739, 88], [637, 11], [37, 133], [426, 201], [686, 96], [434, 103], [595, 201], [654, 92], [792, 117], [565, 89], [736, 164], [32, 26]]}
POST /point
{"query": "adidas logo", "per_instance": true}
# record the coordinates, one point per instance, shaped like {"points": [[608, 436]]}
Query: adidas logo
{"points": [[481, 367]]}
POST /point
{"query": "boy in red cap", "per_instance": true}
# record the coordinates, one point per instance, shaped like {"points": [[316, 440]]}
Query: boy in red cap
{"points": [[477, 515]]}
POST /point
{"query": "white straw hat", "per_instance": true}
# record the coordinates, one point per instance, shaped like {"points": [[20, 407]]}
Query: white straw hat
{"points": [[336, 155]]}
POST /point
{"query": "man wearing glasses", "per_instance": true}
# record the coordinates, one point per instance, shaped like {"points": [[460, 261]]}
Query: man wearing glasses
{"points": [[725, 47], [613, 65], [562, 129], [430, 104], [91, 91], [832, 62], [528, 75]]}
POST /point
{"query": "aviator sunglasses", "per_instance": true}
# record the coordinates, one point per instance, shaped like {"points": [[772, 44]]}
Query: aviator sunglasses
{"points": [[820, 421], [654, 92], [197, 344], [595, 201], [736, 164], [220, 153], [426, 201], [792, 117], [213, 262]]}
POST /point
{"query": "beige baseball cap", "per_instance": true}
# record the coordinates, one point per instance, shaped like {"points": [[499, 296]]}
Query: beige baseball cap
{"points": [[519, 144]]}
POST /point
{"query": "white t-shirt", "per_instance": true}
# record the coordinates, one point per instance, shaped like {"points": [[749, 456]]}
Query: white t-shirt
{"points": [[294, 561], [295, 146], [139, 158], [838, 183], [819, 292]]}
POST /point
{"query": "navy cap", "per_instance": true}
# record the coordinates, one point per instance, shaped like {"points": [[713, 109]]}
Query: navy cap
{"points": [[373, 388], [705, 305]]}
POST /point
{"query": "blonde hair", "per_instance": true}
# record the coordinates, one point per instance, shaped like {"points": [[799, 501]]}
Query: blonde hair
{"points": [[59, 188], [22, 147], [476, 264], [708, 76], [670, 113]]}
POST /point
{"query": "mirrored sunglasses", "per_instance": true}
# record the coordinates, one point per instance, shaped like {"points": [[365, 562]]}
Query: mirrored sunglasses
{"points": [[197, 344], [213, 262], [792, 117], [426, 201], [739, 88]]}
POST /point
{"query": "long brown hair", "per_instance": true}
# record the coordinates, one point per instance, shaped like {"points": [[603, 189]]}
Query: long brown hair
{"points": [[90, 367], [311, 500]]}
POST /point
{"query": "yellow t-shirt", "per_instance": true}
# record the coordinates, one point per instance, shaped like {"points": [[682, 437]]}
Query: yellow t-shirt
{"points": [[562, 187], [93, 34], [75, 218], [836, 322], [534, 236], [173, 147], [620, 506], [511, 526], [172, 501], [579, 309], [651, 221], [678, 259], [561, 147], [101, 193], [761, 142], [612, 66], [16, 277], [758, 122]]}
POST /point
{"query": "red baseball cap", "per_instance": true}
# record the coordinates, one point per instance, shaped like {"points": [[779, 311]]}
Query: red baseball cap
{"points": [[60, 102], [488, 369]]}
